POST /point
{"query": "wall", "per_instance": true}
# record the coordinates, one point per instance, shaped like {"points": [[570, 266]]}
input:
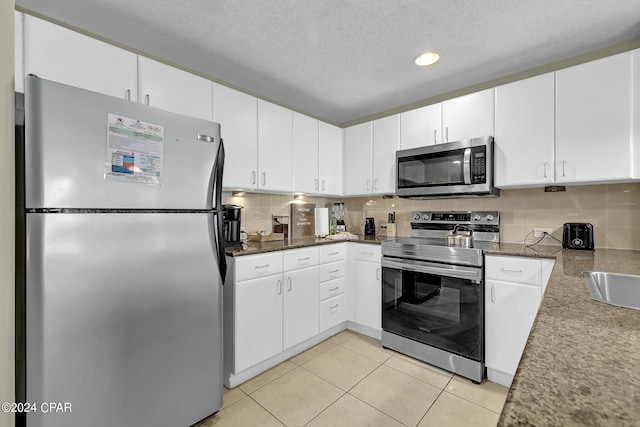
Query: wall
{"points": [[613, 209], [7, 212], [258, 208]]}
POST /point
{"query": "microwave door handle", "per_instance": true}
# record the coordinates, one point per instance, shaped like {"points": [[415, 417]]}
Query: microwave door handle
{"points": [[467, 166]]}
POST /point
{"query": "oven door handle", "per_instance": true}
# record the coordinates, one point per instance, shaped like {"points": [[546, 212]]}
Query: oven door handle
{"points": [[469, 273], [467, 166]]}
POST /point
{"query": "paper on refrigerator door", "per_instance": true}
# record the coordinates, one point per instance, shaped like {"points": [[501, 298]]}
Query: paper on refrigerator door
{"points": [[135, 150]]}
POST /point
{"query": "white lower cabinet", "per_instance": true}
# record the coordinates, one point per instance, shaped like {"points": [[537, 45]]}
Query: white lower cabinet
{"points": [[367, 286], [513, 291], [301, 311], [258, 320], [332, 312], [333, 270], [280, 303]]}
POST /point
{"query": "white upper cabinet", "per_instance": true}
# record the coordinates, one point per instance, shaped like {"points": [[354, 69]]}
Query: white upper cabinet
{"points": [[593, 121], [305, 154], [237, 114], [275, 147], [330, 159], [524, 137], [386, 140], [56, 53], [174, 90], [18, 52], [468, 116], [421, 126], [358, 163]]}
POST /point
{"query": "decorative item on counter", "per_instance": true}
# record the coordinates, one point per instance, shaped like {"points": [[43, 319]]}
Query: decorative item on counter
{"points": [[339, 211], [322, 222], [281, 224], [391, 225], [302, 219]]}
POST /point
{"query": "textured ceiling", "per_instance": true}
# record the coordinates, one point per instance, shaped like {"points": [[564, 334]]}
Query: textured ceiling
{"points": [[342, 60]]}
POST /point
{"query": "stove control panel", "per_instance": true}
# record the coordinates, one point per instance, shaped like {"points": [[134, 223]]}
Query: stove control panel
{"points": [[471, 217]]}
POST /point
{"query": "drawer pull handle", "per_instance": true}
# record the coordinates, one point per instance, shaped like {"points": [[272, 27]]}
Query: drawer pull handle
{"points": [[279, 287], [262, 266], [506, 271], [304, 259], [289, 280], [333, 289], [334, 307], [367, 253], [493, 294], [334, 253], [333, 271]]}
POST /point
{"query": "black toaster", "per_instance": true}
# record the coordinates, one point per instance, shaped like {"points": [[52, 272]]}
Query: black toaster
{"points": [[577, 235]]}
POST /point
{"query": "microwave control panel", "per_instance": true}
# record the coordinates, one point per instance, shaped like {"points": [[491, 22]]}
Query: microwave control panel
{"points": [[478, 165]]}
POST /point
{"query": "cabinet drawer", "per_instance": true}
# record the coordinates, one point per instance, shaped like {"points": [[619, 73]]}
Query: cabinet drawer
{"points": [[368, 252], [332, 312], [330, 253], [332, 270], [254, 266], [331, 288], [527, 271], [300, 258]]}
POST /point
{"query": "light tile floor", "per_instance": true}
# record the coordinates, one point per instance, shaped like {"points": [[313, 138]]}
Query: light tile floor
{"points": [[350, 380]]}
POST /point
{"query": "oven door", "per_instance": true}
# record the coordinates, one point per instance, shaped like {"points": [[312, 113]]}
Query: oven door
{"points": [[440, 305]]}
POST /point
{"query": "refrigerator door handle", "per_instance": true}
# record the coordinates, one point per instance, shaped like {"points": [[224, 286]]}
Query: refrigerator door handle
{"points": [[218, 169]]}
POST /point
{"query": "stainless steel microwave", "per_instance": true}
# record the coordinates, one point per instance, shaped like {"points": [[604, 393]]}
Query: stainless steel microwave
{"points": [[452, 170]]}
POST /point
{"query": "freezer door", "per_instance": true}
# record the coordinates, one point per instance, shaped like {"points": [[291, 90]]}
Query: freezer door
{"points": [[124, 319], [69, 149]]}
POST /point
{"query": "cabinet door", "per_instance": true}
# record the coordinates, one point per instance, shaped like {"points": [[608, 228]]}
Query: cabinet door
{"points": [[386, 140], [332, 312], [301, 307], [330, 159], [174, 90], [368, 294], [510, 309], [237, 114], [275, 147], [18, 52], [257, 320], [468, 116], [593, 120], [357, 167], [56, 53], [305, 154], [525, 127], [421, 127]]}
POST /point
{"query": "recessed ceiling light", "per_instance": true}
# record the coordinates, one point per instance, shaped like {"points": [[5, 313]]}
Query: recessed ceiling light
{"points": [[427, 58]]}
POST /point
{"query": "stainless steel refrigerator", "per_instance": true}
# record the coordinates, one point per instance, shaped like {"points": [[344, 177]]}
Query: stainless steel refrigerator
{"points": [[120, 262]]}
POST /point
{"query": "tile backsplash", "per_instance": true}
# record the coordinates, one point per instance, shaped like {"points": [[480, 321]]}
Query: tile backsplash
{"points": [[613, 209]]}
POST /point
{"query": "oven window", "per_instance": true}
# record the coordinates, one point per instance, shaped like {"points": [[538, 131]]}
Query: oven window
{"points": [[431, 170], [444, 312]]}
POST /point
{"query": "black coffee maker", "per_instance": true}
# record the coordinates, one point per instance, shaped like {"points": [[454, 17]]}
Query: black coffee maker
{"points": [[232, 225]]}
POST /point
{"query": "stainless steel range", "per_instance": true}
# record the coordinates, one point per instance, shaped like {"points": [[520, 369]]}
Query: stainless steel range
{"points": [[433, 291]]}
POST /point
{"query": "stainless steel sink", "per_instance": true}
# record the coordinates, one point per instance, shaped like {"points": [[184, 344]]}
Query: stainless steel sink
{"points": [[617, 289]]}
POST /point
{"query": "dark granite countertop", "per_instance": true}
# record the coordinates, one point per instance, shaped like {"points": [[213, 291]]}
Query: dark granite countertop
{"points": [[581, 364], [253, 248]]}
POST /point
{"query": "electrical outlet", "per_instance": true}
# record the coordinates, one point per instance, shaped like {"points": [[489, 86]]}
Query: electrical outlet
{"points": [[539, 232]]}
